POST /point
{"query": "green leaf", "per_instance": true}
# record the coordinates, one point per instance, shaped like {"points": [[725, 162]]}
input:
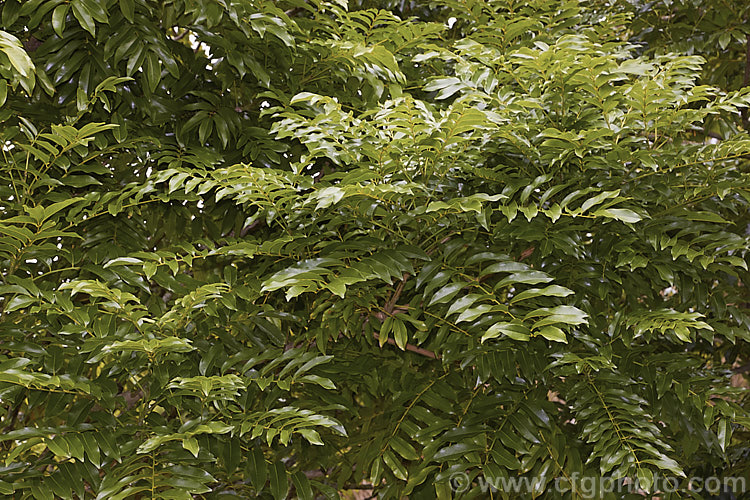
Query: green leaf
{"points": [[545, 203], [395, 465], [704, 216], [527, 277], [84, 16], [6, 488], [191, 445], [621, 214], [279, 482], [645, 479], [456, 450], [400, 335], [549, 291], [724, 433], [515, 331], [19, 59], [446, 293], [312, 436], [153, 71], [256, 468], [561, 314], [635, 67], [403, 448], [666, 463], [504, 458], [554, 334], [127, 7], [595, 200], [58, 19], [302, 486], [57, 207]]}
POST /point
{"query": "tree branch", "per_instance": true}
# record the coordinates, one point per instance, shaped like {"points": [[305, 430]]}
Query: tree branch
{"points": [[410, 347], [396, 294], [388, 310]]}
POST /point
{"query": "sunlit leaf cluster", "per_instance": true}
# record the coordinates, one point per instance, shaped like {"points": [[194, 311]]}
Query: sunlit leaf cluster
{"points": [[289, 249]]}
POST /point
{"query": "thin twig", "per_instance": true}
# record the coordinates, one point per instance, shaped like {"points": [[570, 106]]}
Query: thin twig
{"points": [[409, 347], [388, 310], [396, 294], [180, 36], [526, 253]]}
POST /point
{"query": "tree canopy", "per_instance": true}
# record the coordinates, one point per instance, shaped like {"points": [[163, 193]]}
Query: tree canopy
{"points": [[294, 248]]}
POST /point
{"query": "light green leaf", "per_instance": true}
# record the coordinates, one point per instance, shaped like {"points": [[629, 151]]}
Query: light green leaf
{"points": [[515, 331], [554, 334], [191, 445]]}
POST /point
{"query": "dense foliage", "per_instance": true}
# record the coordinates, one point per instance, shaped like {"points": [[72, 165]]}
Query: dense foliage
{"points": [[295, 248]]}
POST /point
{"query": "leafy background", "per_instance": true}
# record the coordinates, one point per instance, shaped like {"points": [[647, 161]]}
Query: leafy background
{"points": [[306, 248]]}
